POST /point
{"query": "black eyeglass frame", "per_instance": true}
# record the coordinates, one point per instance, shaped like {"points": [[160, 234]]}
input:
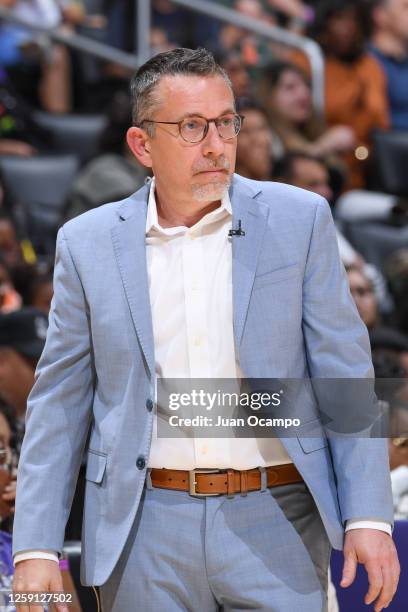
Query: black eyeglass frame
{"points": [[208, 121]]}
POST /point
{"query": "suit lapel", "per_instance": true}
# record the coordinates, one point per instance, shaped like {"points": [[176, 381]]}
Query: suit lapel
{"points": [[245, 251], [128, 237]]}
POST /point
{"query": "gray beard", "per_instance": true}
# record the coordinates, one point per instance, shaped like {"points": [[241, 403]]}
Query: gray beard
{"points": [[211, 191]]}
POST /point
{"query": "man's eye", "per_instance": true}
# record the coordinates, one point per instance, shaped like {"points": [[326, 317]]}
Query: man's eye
{"points": [[192, 125], [226, 121]]}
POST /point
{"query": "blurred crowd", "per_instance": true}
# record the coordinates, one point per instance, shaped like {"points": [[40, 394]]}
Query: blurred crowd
{"points": [[63, 118]]}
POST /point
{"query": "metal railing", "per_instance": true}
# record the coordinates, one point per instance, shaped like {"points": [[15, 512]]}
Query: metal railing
{"points": [[142, 30], [77, 41], [273, 33]]}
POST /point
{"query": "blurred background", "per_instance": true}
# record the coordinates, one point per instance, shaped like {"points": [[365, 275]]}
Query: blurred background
{"points": [[323, 86]]}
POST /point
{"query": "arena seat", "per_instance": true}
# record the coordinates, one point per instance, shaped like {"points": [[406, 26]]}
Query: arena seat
{"points": [[76, 134], [375, 241], [39, 186], [391, 161], [362, 205]]}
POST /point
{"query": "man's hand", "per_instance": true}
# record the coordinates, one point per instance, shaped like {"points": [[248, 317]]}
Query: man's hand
{"points": [[38, 575], [376, 551]]}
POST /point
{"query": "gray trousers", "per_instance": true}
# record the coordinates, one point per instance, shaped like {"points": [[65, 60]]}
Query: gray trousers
{"points": [[265, 551]]}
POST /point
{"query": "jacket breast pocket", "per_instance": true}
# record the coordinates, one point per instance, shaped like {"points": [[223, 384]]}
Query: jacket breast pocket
{"points": [[96, 466]]}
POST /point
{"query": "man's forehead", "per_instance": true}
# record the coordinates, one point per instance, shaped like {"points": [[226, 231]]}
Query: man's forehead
{"points": [[187, 94]]}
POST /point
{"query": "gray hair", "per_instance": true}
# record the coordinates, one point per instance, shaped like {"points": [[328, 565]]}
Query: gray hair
{"points": [[182, 61]]}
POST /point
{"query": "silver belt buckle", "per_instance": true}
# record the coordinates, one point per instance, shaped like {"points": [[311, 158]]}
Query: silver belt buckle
{"points": [[193, 482]]}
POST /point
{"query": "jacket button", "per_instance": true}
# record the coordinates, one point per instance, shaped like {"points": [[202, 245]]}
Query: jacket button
{"points": [[141, 463], [149, 404]]}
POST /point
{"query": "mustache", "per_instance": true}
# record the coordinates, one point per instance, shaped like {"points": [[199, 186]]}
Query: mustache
{"points": [[221, 164]]}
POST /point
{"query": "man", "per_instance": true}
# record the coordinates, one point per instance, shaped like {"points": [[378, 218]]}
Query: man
{"points": [[154, 287], [389, 44]]}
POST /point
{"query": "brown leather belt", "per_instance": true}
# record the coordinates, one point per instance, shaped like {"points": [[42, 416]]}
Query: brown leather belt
{"points": [[203, 482]]}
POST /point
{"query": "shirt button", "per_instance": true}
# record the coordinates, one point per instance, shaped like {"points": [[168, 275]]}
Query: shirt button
{"points": [[197, 341], [149, 404], [191, 236], [141, 463]]}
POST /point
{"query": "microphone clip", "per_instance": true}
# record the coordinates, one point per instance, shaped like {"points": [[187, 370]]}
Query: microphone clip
{"points": [[237, 232]]}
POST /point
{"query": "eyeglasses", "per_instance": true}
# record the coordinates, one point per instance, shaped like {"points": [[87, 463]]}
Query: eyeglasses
{"points": [[195, 129]]}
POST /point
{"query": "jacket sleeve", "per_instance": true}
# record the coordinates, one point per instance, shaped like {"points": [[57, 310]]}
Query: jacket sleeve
{"points": [[58, 415], [338, 349]]}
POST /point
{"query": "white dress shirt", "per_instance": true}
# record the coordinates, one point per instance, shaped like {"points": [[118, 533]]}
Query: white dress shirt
{"points": [[190, 289]]}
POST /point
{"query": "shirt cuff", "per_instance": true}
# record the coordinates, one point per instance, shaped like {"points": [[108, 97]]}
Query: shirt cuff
{"points": [[368, 524], [35, 554]]}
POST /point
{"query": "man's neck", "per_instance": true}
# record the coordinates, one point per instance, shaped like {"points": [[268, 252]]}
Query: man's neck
{"points": [[390, 45], [178, 213]]}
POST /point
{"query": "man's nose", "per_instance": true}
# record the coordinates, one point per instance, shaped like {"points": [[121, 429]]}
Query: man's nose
{"points": [[213, 145]]}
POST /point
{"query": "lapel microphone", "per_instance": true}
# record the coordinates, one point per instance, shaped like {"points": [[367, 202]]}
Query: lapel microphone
{"points": [[237, 232]]}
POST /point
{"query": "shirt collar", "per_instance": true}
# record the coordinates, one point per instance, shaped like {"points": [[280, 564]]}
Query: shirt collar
{"points": [[152, 221]]}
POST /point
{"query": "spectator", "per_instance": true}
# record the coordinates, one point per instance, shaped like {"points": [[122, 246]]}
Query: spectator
{"points": [[387, 372], [396, 272], [159, 41], [394, 342], [10, 247], [305, 171], [5, 204], [19, 132], [298, 14], [356, 93], [24, 53], [114, 174], [398, 450], [7, 466], [9, 298], [254, 147], [389, 45], [15, 251], [285, 94], [22, 339], [362, 290], [237, 71], [176, 21], [41, 292], [35, 285], [253, 51]]}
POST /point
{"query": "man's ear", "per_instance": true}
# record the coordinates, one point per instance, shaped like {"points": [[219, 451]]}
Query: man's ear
{"points": [[139, 143]]}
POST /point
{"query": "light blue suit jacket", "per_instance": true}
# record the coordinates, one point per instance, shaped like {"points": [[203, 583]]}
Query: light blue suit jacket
{"points": [[293, 318]]}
